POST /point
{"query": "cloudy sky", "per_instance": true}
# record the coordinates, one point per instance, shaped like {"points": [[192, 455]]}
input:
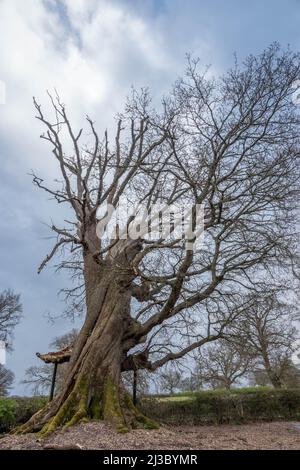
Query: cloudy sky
{"points": [[92, 51]]}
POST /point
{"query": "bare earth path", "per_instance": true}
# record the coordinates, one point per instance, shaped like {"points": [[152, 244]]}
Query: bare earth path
{"points": [[95, 435]]}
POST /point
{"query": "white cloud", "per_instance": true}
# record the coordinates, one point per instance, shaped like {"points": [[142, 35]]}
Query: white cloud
{"points": [[91, 54], [90, 51]]}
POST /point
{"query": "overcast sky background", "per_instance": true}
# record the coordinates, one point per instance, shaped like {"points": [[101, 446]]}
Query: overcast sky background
{"points": [[92, 51]]}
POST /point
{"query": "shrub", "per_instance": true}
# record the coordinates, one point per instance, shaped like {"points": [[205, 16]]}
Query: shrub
{"points": [[27, 406], [17, 410], [223, 406], [7, 413]]}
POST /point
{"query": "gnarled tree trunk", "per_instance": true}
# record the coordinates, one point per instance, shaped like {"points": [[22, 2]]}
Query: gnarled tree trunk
{"points": [[93, 387]]}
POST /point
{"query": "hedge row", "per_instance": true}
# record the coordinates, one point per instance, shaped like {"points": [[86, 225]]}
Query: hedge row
{"points": [[217, 407], [205, 407], [17, 410]]}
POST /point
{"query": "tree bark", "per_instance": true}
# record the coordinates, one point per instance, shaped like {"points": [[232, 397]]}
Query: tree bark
{"points": [[273, 376], [93, 387]]}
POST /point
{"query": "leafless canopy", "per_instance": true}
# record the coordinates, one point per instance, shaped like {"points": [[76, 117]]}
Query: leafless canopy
{"points": [[267, 331], [231, 144], [6, 380], [10, 313], [224, 363]]}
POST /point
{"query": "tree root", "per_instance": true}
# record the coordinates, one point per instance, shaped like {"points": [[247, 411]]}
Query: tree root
{"points": [[34, 423], [112, 411], [73, 410], [113, 405], [139, 419]]}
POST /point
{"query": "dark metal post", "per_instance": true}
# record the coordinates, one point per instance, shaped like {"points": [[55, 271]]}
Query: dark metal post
{"points": [[53, 382], [134, 386]]}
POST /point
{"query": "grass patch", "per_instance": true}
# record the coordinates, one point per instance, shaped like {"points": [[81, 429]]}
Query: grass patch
{"points": [[176, 398]]}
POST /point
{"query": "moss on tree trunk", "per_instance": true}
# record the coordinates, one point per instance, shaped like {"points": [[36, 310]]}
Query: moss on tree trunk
{"points": [[113, 405], [93, 387]]}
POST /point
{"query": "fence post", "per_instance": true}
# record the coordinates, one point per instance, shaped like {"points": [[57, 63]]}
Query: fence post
{"points": [[53, 382]]}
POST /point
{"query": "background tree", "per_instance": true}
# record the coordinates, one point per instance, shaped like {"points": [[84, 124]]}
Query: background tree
{"points": [[194, 381], [285, 369], [143, 380], [10, 313], [224, 363], [169, 379], [267, 331], [231, 144], [6, 380], [39, 378], [259, 377]]}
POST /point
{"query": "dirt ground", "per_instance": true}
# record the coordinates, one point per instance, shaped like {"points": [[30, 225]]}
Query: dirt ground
{"points": [[276, 435]]}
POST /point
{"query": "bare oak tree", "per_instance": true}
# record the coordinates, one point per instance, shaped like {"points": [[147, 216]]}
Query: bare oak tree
{"points": [[224, 363], [39, 378], [10, 313], [169, 379], [287, 372], [231, 144], [268, 331], [6, 380]]}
